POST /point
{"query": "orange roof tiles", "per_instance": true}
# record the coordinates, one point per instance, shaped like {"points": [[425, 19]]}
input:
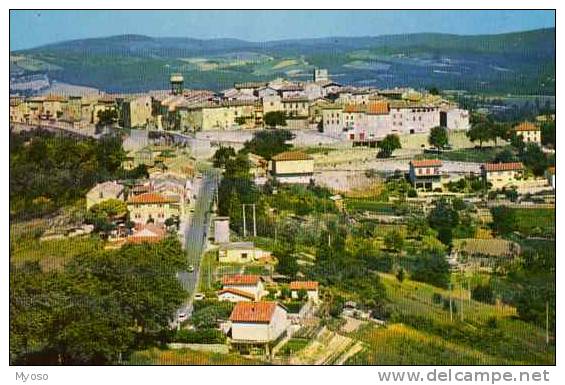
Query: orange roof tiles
{"points": [[240, 279], [241, 293], [426, 163], [526, 126], [291, 155], [150, 198], [305, 285], [256, 312], [378, 108], [503, 166]]}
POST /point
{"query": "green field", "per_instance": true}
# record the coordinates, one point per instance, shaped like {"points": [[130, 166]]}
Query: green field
{"points": [[156, 356], [421, 332], [484, 155], [535, 221], [52, 254], [293, 346]]}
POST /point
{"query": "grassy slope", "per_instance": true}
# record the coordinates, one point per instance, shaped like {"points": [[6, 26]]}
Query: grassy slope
{"points": [[426, 335], [187, 357], [52, 254]]}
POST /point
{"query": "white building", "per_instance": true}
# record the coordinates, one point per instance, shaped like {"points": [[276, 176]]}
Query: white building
{"points": [[252, 284], [258, 322], [311, 288], [235, 295], [240, 252], [221, 229]]}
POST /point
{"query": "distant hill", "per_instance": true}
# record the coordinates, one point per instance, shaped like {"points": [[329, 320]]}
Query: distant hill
{"points": [[518, 63]]}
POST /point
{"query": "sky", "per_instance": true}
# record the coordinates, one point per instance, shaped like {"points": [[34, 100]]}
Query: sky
{"points": [[31, 28]]}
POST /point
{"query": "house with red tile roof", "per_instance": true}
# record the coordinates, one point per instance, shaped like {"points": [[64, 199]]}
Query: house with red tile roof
{"points": [[152, 207], [425, 174], [235, 295], [529, 132], [251, 284], [502, 174], [258, 322], [311, 288]]}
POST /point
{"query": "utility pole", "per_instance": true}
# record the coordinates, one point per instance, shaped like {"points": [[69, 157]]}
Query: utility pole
{"points": [[546, 322], [450, 305], [254, 222], [244, 225]]}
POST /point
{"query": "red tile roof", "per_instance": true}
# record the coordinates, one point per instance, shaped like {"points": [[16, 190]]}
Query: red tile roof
{"points": [[240, 279], [256, 312], [241, 293], [426, 163], [306, 285], [291, 155], [526, 126], [378, 108], [503, 166], [150, 198]]}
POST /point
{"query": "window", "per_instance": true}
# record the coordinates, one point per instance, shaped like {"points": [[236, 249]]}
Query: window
{"points": [[243, 255]]}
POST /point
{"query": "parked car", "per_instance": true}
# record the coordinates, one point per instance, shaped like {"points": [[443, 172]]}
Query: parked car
{"points": [[190, 268], [199, 296], [182, 316]]}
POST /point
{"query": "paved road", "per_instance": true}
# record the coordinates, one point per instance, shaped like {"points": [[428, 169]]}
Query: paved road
{"points": [[195, 234]]}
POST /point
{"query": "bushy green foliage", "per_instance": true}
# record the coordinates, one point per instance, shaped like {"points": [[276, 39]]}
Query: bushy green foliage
{"points": [[432, 269], [387, 146], [103, 304], [48, 171], [269, 143], [203, 336], [483, 293], [275, 118], [438, 137]]}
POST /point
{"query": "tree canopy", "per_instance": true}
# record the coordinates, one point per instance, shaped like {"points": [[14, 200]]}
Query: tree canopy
{"points": [[269, 143], [387, 146]]}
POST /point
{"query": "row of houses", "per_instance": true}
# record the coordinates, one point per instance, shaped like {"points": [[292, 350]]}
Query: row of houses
{"points": [[426, 174], [352, 112], [371, 121], [253, 320]]}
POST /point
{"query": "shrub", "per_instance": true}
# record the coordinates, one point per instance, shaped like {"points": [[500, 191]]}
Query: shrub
{"points": [[446, 305], [492, 323], [483, 293], [412, 193], [437, 298], [203, 336]]}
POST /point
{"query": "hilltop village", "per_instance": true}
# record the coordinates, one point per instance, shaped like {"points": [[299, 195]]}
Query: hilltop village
{"points": [[295, 222]]}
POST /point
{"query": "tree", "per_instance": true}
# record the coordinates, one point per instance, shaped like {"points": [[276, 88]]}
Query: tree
{"points": [[432, 269], [438, 137], [387, 146], [394, 240], [222, 155], [535, 159], [275, 118], [400, 275], [107, 117], [483, 293], [287, 264], [548, 133], [269, 143], [505, 156], [482, 129], [443, 218], [503, 220], [433, 91]]}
